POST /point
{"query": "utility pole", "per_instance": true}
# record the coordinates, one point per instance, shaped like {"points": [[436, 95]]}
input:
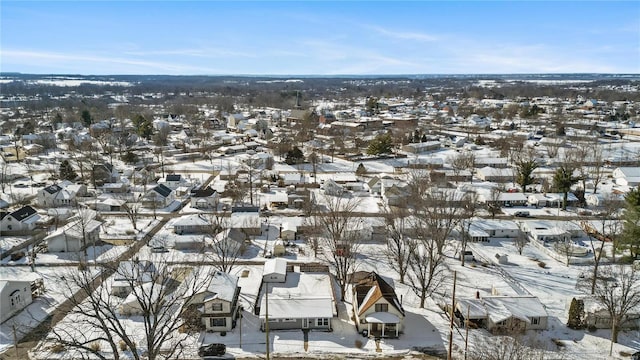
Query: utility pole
{"points": [[453, 304], [266, 316], [466, 333], [241, 328]]}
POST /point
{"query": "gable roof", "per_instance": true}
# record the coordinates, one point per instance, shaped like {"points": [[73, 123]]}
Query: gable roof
{"points": [[162, 190], [23, 213], [222, 286], [52, 189], [201, 193], [373, 288]]}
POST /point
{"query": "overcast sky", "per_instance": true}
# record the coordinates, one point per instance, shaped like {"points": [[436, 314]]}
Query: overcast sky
{"points": [[319, 37]]}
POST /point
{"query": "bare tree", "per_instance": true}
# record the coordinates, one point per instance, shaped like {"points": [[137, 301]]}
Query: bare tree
{"points": [[469, 207], [340, 236], [506, 348], [96, 318], [228, 244], [132, 209], [426, 263], [398, 247], [619, 293], [553, 147], [493, 203], [438, 208], [521, 238], [462, 161]]}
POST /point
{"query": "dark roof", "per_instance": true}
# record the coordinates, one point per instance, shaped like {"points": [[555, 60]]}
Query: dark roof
{"points": [[52, 189], [23, 213], [174, 177], [385, 290], [162, 190], [200, 193]]}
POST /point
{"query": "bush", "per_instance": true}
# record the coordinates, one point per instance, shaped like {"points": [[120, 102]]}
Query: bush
{"points": [[123, 345], [542, 264], [57, 348], [592, 328], [358, 344], [223, 333]]}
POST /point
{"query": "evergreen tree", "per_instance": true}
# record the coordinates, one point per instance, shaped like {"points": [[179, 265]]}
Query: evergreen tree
{"points": [[563, 179], [66, 171], [381, 144], [294, 156], [361, 170], [576, 310], [631, 232], [86, 118], [144, 126]]}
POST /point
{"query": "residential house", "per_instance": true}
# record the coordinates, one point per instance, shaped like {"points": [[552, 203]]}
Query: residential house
{"points": [[158, 197], [288, 230], [597, 200], [75, 236], [421, 147], [104, 174], [55, 196], [216, 302], [546, 232], [192, 224], [174, 181], [552, 200], [115, 188], [110, 204], [376, 307], [16, 293], [206, 198], [332, 188], [497, 229], [494, 162], [503, 314], [493, 174], [21, 221], [304, 300], [627, 176], [132, 273], [505, 199], [274, 270]]}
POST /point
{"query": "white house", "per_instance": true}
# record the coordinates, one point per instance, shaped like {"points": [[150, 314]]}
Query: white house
{"points": [[627, 176], [74, 236], [496, 229], [20, 221], [192, 224], [15, 294], [504, 314], [275, 270], [376, 307], [55, 196], [493, 174], [158, 197], [217, 301], [546, 232], [303, 301], [206, 198], [288, 230]]}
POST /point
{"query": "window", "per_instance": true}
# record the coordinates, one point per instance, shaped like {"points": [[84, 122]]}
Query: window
{"points": [[288, 320], [218, 322], [216, 307], [322, 322], [382, 307], [535, 321]]}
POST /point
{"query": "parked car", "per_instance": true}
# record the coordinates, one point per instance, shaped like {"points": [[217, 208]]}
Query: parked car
{"points": [[521, 214], [212, 350]]}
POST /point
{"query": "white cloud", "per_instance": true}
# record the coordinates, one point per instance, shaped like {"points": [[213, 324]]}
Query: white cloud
{"points": [[83, 61]]}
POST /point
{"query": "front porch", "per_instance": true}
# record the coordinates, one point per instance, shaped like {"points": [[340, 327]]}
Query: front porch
{"points": [[382, 325]]}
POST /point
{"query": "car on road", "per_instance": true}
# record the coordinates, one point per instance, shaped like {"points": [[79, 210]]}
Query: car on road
{"points": [[522, 214], [212, 350]]}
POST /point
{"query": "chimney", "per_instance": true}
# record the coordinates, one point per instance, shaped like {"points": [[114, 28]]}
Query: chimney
{"points": [[477, 294]]}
